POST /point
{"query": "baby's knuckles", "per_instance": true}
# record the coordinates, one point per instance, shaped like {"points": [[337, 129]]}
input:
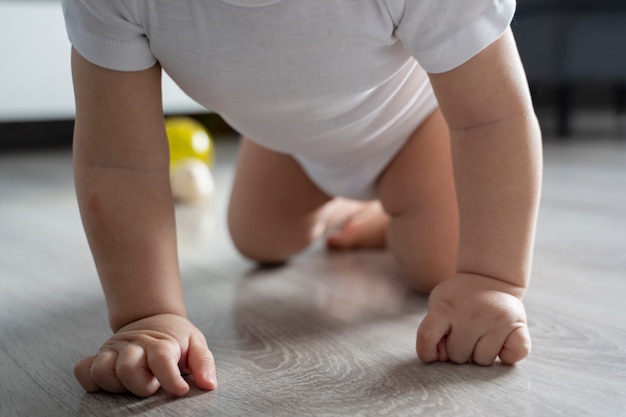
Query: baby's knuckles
{"points": [[102, 373], [479, 300], [482, 306], [164, 351]]}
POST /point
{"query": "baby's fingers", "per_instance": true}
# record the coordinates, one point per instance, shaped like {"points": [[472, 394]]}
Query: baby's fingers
{"points": [[516, 346], [487, 348], [101, 373], [132, 370], [201, 363], [82, 371], [163, 359], [511, 347], [433, 329]]}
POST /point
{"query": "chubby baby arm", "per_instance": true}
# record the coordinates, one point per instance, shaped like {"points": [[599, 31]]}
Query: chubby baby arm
{"points": [[121, 167], [496, 147]]}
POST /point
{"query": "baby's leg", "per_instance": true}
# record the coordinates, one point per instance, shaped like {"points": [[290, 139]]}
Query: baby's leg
{"points": [[417, 190], [275, 210]]}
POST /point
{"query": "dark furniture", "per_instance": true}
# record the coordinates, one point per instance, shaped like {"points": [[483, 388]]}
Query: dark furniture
{"points": [[566, 44]]}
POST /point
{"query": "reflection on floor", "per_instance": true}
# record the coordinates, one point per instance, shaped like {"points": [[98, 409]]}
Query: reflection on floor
{"points": [[328, 334]]}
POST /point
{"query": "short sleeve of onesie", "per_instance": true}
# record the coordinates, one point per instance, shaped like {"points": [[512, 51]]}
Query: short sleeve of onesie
{"points": [[443, 34], [108, 33]]}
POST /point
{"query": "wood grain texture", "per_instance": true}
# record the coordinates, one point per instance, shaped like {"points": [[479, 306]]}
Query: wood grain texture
{"points": [[328, 334]]}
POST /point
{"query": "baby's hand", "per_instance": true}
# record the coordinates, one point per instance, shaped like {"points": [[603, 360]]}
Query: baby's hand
{"points": [[148, 354], [472, 317]]}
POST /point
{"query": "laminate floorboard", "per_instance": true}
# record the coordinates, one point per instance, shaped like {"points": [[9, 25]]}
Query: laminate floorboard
{"points": [[330, 334]]}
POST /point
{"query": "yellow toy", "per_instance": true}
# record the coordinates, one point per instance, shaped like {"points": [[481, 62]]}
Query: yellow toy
{"points": [[191, 155]]}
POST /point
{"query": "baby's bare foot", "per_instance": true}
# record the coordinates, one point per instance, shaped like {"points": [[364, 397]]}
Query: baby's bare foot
{"points": [[365, 229]]}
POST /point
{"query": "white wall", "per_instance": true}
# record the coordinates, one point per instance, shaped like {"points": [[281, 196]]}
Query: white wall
{"points": [[35, 79]]}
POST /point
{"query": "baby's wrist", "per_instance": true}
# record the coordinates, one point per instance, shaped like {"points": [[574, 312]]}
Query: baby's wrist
{"points": [[119, 320], [492, 283]]}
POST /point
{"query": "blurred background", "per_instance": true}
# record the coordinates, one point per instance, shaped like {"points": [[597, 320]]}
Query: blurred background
{"points": [[36, 94], [574, 52]]}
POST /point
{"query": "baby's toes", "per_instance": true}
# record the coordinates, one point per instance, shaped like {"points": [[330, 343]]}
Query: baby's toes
{"points": [[366, 229]]}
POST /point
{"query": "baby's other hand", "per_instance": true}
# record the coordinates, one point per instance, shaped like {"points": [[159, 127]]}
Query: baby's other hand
{"points": [[474, 318], [148, 354]]}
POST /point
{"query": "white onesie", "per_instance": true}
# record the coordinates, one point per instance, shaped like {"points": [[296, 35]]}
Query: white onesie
{"points": [[335, 83]]}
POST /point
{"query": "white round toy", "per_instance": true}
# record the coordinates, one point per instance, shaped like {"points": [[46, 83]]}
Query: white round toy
{"points": [[191, 155], [191, 181]]}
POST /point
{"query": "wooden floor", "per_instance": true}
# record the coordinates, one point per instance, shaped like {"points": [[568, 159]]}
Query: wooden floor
{"points": [[330, 334]]}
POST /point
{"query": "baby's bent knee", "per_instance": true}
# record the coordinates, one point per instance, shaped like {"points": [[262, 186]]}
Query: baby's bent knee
{"points": [[268, 247], [262, 254]]}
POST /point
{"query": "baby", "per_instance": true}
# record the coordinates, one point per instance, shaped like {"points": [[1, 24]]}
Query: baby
{"points": [[404, 124]]}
